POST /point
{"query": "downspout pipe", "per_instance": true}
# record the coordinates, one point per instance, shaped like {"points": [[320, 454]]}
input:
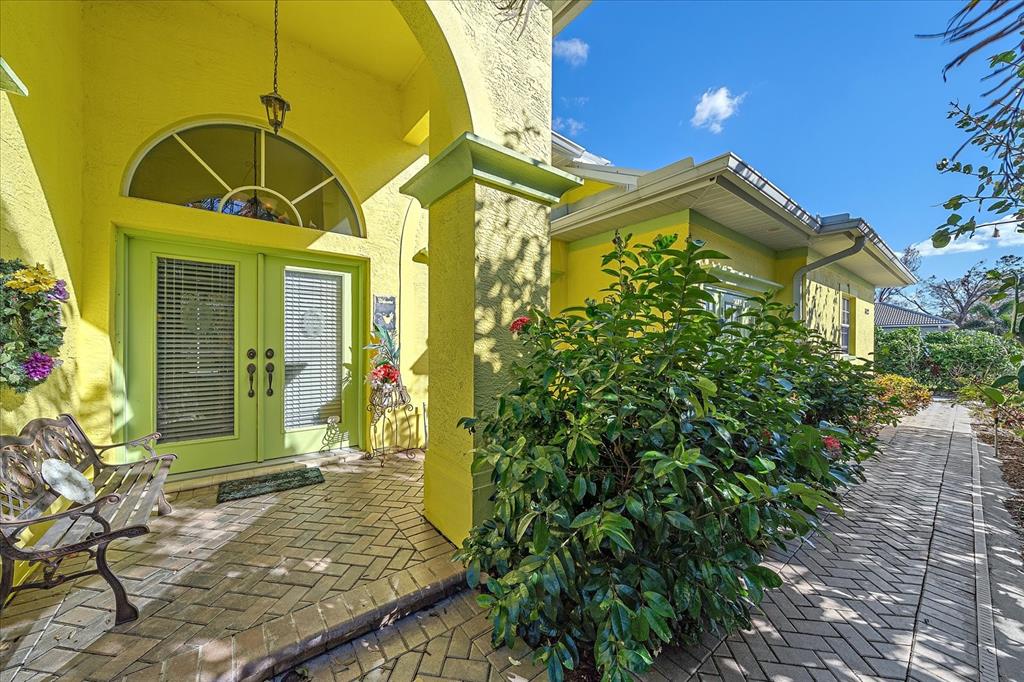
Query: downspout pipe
{"points": [[798, 276]]}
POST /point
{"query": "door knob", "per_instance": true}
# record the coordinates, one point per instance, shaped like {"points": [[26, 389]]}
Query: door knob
{"points": [[270, 378], [251, 369]]}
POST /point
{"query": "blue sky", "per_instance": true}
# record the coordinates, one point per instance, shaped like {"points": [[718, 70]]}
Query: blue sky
{"points": [[836, 102]]}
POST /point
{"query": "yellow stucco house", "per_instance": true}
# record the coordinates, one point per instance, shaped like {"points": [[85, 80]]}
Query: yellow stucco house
{"points": [[139, 165], [827, 267], [412, 180]]}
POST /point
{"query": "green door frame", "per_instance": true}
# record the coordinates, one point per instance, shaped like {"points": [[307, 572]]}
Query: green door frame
{"points": [[357, 268]]}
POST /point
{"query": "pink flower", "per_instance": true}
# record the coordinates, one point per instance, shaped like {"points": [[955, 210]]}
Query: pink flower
{"points": [[38, 366], [384, 374], [832, 444], [519, 324]]}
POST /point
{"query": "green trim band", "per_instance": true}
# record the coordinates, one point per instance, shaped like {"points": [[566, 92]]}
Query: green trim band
{"points": [[471, 157]]}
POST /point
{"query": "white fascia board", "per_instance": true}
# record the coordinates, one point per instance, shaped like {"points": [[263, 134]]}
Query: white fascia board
{"points": [[624, 177], [611, 203]]}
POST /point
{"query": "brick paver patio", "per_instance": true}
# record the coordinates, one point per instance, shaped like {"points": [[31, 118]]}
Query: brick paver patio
{"points": [[889, 592], [210, 571]]}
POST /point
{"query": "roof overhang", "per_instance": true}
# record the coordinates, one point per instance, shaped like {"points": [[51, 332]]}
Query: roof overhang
{"points": [[563, 12], [732, 193]]}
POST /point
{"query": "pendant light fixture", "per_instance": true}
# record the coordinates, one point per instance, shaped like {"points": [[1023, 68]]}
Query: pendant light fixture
{"points": [[276, 105]]}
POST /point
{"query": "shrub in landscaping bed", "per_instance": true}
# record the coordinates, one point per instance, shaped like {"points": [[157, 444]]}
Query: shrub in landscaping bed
{"points": [[647, 456], [943, 361], [903, 394], [957, 357], [899, 351]]}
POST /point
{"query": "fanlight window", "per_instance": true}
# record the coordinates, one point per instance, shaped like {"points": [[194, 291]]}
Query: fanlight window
{"points": [[244, 171]]}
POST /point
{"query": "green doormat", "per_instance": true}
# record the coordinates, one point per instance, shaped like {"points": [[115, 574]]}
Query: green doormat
{"points": [[270, 483]]}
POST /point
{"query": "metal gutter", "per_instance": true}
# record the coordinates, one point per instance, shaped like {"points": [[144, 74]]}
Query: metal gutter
{"points": [[843, 223], [734, 175], [798, 276]]}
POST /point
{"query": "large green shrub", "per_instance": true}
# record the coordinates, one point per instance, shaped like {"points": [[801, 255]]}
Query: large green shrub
{"points": [[957, 357], [646, 457], [899, 351], [943, 361]]}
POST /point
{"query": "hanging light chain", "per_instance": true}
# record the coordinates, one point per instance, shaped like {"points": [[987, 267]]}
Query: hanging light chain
{"points": [[275, 45]]}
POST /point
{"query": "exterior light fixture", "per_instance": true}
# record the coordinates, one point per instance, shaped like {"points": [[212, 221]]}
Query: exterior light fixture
{"points": [[276, 105]]}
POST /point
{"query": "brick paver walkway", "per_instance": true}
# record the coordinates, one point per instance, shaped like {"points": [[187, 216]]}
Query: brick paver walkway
{"points": [[888, 592], [209, 571]]}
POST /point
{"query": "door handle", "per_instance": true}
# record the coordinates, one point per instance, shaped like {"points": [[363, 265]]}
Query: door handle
{"points": [[270, 378], [251, 369]]}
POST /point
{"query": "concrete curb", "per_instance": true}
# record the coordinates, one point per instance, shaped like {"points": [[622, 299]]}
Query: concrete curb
{"points": [[273, 647], [988, 662]]}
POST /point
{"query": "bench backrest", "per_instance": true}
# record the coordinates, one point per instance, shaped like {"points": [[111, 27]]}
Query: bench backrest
{"points": [[23, 493]]}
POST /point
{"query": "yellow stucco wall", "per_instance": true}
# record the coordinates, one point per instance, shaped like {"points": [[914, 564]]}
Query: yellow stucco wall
{"points": [[824, 288], [494, 259], [40, 179], [584, 279], [111, 77], [91, 110], [588, 188]]}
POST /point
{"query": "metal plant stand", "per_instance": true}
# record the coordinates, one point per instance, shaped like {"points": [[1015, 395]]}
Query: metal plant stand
{"points": [[391, 411]]}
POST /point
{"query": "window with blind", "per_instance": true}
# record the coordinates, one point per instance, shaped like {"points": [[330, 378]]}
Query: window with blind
{"points": [[313, 340], [195, 349], [728, 305], [844, 325]]}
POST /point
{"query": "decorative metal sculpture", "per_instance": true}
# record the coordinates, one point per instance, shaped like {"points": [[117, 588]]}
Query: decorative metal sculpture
{"points": [[333, 437]]}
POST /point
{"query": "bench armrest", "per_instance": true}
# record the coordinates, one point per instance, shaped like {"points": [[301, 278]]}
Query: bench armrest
{"points": [[92, 510], [148, 442]]}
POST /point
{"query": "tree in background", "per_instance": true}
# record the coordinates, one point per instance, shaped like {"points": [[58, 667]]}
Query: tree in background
{"points": [[955, 298], [973, 300], [911, 259], [994, 129], [996, 195]]}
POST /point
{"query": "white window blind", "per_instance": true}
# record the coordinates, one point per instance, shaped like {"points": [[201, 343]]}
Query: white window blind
{"points": [[195, 349], [312, 347], [844, 325]]}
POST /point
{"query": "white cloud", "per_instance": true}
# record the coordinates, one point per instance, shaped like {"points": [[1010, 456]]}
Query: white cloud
{"points": [[714, 107], [981, 241], [578, 101], [569, 126], [574, 51]]}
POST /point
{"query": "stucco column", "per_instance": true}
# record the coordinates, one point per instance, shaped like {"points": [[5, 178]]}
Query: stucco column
{"points": [[489, 263]]}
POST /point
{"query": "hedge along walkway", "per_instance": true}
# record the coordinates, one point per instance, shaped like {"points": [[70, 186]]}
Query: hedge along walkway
{"points": [[896, 589]]}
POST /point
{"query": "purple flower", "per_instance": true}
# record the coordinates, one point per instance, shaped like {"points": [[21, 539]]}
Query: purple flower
{"points": [[59, 292], [38, 366]]}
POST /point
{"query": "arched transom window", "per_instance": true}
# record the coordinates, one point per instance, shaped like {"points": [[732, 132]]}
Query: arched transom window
{"points": [[245, 171]]}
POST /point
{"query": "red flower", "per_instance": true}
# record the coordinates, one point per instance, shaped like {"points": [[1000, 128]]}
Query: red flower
{"points": [[519, 324], [832, 444], [384, 374]]}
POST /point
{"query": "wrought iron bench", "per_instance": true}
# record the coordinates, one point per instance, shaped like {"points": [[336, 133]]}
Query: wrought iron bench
{"points": [[125, 497]]}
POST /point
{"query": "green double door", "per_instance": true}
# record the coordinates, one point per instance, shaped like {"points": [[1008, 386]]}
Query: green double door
{"points": [[236, 357]]}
